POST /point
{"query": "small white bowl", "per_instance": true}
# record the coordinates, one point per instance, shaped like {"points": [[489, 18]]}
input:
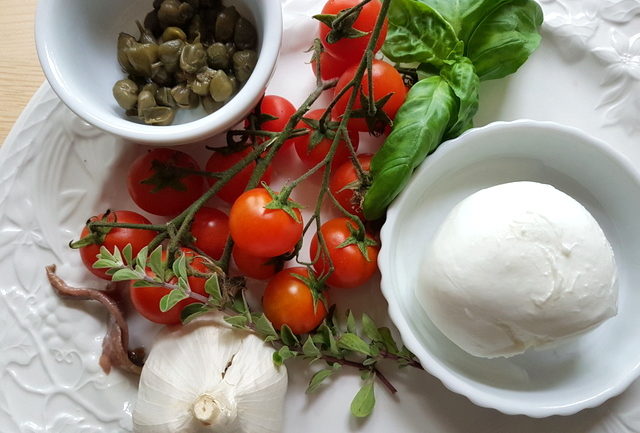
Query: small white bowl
{"points": [[575, 375], [76, 42]]}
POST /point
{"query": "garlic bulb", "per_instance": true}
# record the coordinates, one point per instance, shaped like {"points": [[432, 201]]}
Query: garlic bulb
{"points": [[208, 377]]}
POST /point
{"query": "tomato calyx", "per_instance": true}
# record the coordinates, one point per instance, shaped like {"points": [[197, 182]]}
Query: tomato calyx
{"points": [[166, 175], [358, 237], [372, 112], [96, 235], [316, 287], [320, 130], [341, 24], [282, 201]]}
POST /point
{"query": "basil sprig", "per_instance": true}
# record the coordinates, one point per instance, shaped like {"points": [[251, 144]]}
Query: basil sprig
{"points": [[455, 44]]}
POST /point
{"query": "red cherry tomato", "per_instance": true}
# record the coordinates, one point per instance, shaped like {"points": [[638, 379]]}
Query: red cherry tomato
{"points": [[312, 156], [146, 300], [210, 227], [219, 162], [351, 267], [116, 237], [279, 107], [386, 80], [158, 187], [353, 48], [345, 183], [287, 300], [331, 67], [260, 231], [256, 267]]}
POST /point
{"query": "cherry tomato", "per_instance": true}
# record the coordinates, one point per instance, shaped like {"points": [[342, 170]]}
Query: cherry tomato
{"points": [[219, 162], [260, 231], [386, 80], [116, 237], [311, 157], [287, 300], [331, 67], [210, 227], [344, 184], [353, 48], [256, 267], [351, 267], [276, 106], [146, 300], [158, 187]]}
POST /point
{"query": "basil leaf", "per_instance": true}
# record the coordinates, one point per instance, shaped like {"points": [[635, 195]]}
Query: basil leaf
{"points": [[417, 34], [465, 15], [418, 128], [465, 83], [505, 39]]}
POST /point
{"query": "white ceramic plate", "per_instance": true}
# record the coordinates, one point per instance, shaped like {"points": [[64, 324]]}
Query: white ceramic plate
{"points": [[581, 373], [54, 171]]}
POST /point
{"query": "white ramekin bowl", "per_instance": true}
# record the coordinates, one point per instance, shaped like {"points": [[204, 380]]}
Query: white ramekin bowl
{"points": [[76, 42]]}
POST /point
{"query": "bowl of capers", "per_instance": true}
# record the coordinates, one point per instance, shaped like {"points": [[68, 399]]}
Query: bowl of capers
{"points": [[162, 72]]}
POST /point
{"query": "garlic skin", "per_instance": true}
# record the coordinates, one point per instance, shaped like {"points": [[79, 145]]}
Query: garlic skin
{"points": [[207, 377]]}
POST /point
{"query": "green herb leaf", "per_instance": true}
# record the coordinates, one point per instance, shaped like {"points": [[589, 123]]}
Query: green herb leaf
{"points": [[171, 299], [310, 349], [192, 311], [104, 264], [389, 342], [418, 130], [369, 328], [364, 401], [351, 322], [141, 258], [142, 283], [288, 337], [418, 34], [352, 342], [237, 321], [318, 378], [464, 15], [465, 83], [156, 265], [212, 288], [180, 267], [369, 361], [282, 355], [505, 39], [125, 274], [264, 326], [127, 252]]}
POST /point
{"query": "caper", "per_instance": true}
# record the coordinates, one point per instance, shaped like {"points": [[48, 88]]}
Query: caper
{"points": [[145, 35], [171, 33], [145, 100], [183, 77], [195, 4], [209, 104], [141, 57], [184, 97], [217, 56], [200, 85], [169, 54], [151, 88], [226, 23], [169, 13], [231, 48], [160, 75], [221, 87], [193, 57], [243, 64], [125, 40], [164, 97], [157, 4], [152, 23], [245, 36], [161, 116], [126, 93]]}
